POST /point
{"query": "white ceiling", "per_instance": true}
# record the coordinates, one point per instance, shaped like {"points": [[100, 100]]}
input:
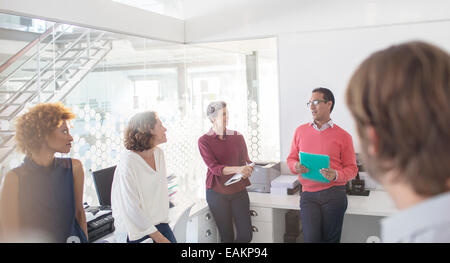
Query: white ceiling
{"points": [[172, 8], [135, 50], [131, 50]]}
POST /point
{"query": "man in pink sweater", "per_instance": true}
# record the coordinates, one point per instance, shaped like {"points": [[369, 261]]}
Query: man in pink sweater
{"points": [[323, 205]]}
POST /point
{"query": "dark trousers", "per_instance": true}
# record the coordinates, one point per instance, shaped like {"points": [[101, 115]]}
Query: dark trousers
{"points": [[164, 229], [228, 208], [322, 214]]}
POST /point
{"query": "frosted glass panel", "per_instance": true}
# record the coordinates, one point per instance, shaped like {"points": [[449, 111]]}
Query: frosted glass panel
{"points": [[178, 82]]}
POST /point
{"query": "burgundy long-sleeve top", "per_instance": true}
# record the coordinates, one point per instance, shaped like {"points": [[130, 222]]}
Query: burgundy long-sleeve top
{"points": [[219, 153]]}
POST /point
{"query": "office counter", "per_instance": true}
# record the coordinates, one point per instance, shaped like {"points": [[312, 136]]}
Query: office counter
{"points": [[268, 214], [268, 211], [378, 203]]}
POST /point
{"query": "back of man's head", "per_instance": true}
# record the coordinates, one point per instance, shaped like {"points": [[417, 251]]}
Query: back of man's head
{"points": [[403, 92]]}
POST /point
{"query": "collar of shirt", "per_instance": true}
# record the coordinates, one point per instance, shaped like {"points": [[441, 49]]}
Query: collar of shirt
{"points": [[428, 215], [211, 132], [324, 126]]}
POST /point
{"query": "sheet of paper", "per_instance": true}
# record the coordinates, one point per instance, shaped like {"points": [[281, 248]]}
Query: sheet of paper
{"points": [[314, 162], [236, 178]]}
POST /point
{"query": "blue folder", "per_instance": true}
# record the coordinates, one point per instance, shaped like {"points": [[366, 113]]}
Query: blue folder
{"points": [[314, 162]]}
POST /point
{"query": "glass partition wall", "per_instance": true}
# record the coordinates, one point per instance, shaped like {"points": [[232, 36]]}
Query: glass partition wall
{"points": [[177, 81]]}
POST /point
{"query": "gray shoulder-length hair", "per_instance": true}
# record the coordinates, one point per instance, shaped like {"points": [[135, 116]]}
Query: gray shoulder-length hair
{"points": [[215, 107]]}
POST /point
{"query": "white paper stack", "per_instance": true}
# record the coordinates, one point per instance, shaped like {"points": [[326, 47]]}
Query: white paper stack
{"points": [[284, 185]]}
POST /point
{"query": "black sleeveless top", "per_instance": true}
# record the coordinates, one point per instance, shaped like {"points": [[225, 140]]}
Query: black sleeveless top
{"points": [[47, 201]]}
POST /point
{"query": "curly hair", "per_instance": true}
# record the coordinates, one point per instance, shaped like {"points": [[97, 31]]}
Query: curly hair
{"points": [[34, 126], [137, 135]]}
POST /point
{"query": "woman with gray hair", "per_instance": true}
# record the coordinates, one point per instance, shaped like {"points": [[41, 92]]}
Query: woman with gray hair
{"points": [[225, 154]]}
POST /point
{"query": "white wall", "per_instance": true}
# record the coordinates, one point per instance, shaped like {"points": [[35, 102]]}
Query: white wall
{"points": [[328, 59], [216, 20], [100, 14], [320, 42]]}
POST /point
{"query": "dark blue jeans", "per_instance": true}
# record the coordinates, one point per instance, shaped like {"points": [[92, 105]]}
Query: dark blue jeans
{"points": [[165, 230], [224, 209], [322, 214]]}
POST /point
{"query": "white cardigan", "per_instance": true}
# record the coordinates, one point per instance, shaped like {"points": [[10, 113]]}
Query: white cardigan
{"points": [[139, 194]]}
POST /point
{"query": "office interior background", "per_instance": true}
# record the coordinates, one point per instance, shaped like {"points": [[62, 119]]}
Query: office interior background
{"points": [[263, 57]]}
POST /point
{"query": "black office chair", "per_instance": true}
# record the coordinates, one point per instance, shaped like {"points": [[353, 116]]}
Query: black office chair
{"points": [[103, 224], [103, 182]]}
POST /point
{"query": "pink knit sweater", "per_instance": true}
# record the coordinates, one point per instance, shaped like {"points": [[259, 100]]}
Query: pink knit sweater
{"points": [[334, 142]]}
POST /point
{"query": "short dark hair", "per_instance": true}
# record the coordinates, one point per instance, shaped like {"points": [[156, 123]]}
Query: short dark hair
{"points": [[327, 95]]}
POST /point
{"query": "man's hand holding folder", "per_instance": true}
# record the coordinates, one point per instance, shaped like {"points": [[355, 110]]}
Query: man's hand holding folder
{"points": [[328, 173], [300, 168], [316, 167]]}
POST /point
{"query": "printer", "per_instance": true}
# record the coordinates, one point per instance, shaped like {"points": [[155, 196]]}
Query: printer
{"points": [[100, 222], [262, 176], [358, 186]]}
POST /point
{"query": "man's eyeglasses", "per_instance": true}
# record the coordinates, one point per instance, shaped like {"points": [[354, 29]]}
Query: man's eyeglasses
{"points": [[315, 102]]}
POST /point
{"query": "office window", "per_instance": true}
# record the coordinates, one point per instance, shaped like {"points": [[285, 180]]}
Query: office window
{"points": [[178, 82]]}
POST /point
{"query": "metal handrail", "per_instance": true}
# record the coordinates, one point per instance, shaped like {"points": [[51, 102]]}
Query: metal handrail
{"points": [[64, 91], [73, 86], [29, 82], [67, 66], [8, 102], [28, 47], [76, 58], [78, 55]]}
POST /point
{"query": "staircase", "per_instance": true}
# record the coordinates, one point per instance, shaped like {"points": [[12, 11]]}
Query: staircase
{"points": [[46, 70]]}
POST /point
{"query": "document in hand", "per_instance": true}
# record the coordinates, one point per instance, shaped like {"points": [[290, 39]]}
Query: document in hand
{"points": [[314, 162], [236, 178]]}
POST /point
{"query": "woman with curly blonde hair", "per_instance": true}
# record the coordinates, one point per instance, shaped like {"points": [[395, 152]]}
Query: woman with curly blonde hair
{"points": [[42, 199], [139, 195]]}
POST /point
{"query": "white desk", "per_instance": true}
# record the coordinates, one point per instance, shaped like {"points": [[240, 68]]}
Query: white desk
{"points": [[368, 210], [271, 208], [378, 203]]}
